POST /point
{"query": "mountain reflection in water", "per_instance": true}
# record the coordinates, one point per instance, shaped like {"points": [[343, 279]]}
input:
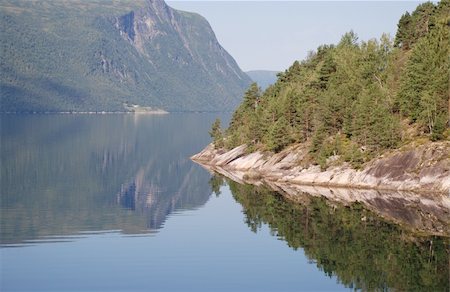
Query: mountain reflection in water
{"points": [[155, 202], [77, 178], [66, 174]]}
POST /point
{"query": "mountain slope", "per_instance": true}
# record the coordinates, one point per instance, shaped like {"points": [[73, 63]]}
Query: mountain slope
{"points": [[264, 78], [100, 55]]}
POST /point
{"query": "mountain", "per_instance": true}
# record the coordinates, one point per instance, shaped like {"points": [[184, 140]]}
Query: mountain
{"points": [[264, 78], [105, 55]]}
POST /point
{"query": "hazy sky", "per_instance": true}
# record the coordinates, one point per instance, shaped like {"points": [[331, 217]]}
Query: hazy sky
{"points": [[272, 35]]}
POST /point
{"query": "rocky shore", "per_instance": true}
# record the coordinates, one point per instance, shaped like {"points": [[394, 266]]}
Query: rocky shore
{"points": [[409, 186], [417, 168]]}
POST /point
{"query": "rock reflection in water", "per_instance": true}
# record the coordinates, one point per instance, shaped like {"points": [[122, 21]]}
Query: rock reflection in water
{"points": [[350, 241], [420, 212], [425, 213]]}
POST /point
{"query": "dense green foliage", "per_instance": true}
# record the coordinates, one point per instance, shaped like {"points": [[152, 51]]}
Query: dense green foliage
{"points": [[351, 99], [87, 56], [216, 133], [364, 251]]}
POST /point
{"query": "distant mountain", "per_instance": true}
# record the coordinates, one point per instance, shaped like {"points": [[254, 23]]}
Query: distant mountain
{"points": [[264, 78], [102, 55]]}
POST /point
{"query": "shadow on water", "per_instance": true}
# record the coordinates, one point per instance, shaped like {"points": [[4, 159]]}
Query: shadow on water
{"points": [[66, 174], [364, 250]]}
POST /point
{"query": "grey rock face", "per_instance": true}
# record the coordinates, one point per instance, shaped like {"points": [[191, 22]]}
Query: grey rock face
{"points": [[409, 186], [419, 168]]}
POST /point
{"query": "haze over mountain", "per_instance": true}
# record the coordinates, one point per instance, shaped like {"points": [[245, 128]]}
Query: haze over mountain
{"points": [[101, 55], [264, 78]]}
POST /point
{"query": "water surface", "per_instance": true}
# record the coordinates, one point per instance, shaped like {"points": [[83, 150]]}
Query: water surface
{"points": [[112, 202]]}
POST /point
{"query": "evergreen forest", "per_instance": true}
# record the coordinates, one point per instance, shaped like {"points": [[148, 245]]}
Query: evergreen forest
{"points": [[356, 98]]}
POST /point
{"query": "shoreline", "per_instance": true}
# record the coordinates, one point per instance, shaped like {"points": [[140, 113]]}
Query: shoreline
{"points": [[424, 214], [425, 211], [420, 168], [156, 112]]}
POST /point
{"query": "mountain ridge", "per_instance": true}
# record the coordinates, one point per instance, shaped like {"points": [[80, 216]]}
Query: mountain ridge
{"points": [[104, 55]]}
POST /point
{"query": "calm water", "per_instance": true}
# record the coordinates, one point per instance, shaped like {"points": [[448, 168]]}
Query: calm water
{"points": [[112, 202]]}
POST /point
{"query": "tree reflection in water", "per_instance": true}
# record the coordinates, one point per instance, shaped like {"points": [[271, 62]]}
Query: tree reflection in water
{"points": [[358, 246]]}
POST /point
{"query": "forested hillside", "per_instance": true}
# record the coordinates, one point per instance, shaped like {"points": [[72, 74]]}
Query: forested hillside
{"points": [[357, 98], [61, 55]]}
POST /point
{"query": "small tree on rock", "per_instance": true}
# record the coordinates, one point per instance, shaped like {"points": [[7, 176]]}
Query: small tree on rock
{"points": [[216, 134]]}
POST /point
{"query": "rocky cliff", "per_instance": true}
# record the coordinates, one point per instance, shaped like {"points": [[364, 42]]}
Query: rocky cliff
{"points": [[411, 168], [107, 55]]}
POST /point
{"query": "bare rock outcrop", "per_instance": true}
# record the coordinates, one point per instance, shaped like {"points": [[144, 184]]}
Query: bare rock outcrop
{"points": [[415, 168], [409, 186]]}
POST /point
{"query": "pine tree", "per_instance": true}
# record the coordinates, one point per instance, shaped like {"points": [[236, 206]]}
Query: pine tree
{"points": [[403, 37], [424, 93], [326, 70], [251, 97], [278, 135], [412, 27], [291, 74], [216, 134]]}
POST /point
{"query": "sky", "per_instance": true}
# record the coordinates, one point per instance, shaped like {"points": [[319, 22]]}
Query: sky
{"points": [[268, 35]]}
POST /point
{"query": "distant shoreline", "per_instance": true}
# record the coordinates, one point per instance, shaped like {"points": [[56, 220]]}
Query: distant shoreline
{"points": [[113, 112], [156, 112]]}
